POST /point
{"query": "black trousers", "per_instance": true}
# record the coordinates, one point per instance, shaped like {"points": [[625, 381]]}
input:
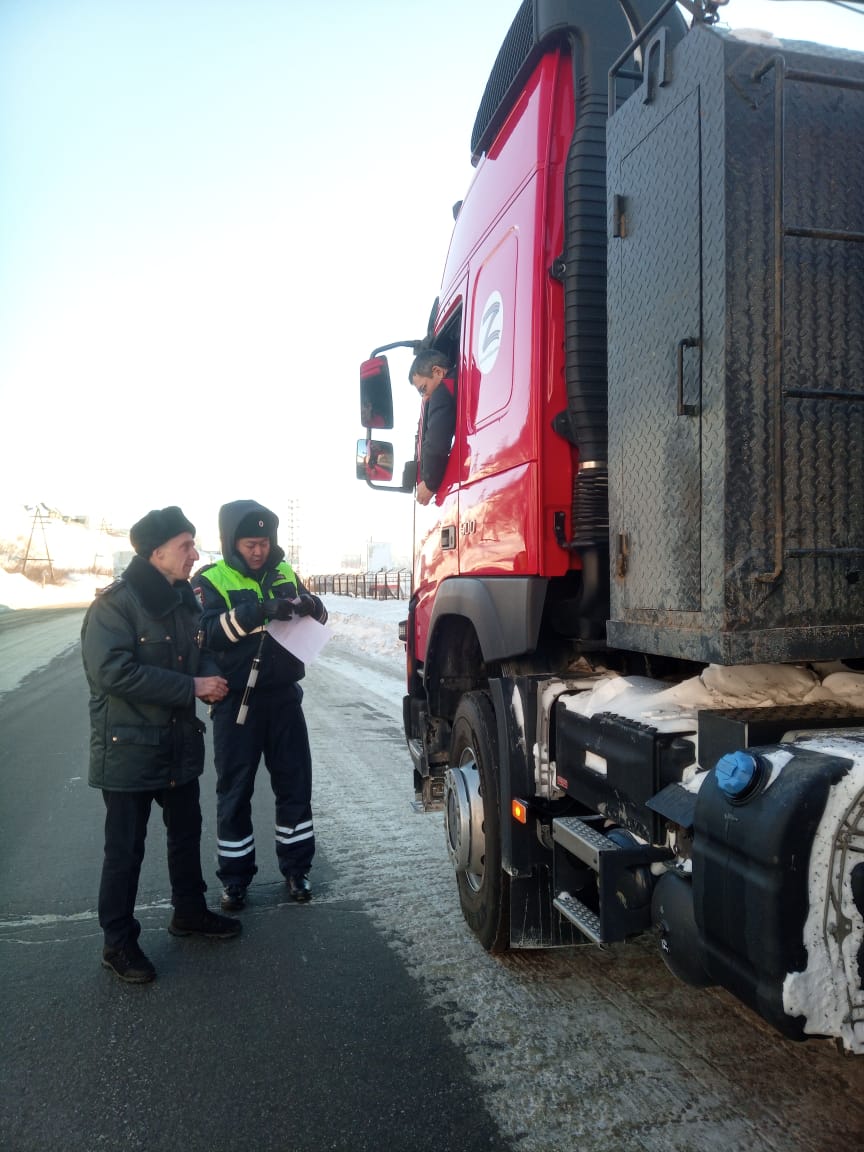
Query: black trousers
{"points": [[126, 816], [275, 728]]}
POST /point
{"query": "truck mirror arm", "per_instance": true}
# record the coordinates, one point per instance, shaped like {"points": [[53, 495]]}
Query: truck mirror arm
{"points": [[399, 488]]}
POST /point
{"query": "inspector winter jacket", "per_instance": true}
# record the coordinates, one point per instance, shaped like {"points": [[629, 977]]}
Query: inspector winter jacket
{"points": [[232, 599], [138, 645]]}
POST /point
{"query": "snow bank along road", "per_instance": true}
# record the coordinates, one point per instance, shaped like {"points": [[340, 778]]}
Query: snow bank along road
{"points": [[583, 1049]]}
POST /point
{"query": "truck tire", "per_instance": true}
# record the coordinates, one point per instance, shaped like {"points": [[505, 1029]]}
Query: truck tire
{"points": [[484, 889]]}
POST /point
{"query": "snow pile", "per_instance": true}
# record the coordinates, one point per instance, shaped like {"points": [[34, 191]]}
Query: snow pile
{"points": [[368, 625], [673, 708], [17, 591]]}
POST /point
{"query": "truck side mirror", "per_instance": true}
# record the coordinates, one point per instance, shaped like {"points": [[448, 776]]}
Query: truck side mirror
{"points": [[376, 396], [374, 460]]}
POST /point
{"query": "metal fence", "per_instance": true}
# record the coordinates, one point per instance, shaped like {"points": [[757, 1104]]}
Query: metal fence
{"points": [[382, 585]]}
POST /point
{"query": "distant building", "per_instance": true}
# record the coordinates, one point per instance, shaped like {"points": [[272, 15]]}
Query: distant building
{"points": [[379, 555], [121, 561]]}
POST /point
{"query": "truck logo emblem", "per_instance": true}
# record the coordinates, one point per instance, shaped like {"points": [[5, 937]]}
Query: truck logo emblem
{"points": [[489, 332]]}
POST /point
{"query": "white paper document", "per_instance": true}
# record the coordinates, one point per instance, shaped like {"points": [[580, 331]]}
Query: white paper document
{"points": [[302, 636]]}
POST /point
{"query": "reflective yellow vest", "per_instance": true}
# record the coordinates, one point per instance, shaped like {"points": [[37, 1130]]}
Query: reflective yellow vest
{"points": [[226, 580]]}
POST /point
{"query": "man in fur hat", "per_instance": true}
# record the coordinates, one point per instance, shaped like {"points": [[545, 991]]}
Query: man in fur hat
{"points": [[138, 644], [251, 584]]}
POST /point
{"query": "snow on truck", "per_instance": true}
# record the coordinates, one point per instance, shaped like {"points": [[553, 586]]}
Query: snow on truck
{"points": [[635, 636]]}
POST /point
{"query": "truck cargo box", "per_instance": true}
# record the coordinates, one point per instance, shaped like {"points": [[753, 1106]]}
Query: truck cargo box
{"points": [[736, 353]]}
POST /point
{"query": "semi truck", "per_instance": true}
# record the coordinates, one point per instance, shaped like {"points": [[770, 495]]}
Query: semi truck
{"points": [[635, 639]]}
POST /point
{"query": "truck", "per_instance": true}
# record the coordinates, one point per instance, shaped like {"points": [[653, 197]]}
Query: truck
{"points": [[635, 637]]}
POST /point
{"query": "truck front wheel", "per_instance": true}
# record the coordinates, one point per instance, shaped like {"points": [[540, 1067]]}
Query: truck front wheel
{"points": [[473, 822]]}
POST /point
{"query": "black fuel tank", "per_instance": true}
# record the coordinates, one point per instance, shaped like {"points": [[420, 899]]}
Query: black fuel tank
{"points": [[751, 875]]}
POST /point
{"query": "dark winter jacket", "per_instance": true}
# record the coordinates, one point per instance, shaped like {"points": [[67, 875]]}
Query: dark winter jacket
{"points": [[232, 598], [437, 425], [138, 644]]}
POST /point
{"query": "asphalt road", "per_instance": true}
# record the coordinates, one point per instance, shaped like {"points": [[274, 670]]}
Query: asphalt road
{"points": [[30, 637], [369, 1018], [305, 1034]]}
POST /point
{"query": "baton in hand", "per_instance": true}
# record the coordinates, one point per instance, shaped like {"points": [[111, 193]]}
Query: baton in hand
{"points": [[243, 711]]}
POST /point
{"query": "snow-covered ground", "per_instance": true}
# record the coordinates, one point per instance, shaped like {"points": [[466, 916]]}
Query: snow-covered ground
{"points": [[368, 625], [365, 646], [17, 591]]}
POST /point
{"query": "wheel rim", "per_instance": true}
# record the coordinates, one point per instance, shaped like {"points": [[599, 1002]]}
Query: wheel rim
{"points": [[463, 819]]}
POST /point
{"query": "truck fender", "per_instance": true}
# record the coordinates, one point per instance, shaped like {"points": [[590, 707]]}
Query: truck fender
{"points": [[505, 613]]}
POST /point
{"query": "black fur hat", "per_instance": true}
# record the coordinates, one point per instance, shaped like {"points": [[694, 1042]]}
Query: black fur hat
{"points": [[159, 525]]}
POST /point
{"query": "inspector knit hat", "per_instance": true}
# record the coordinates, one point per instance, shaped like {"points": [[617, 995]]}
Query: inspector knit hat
{"points": [[260, 521], [159, 525]]}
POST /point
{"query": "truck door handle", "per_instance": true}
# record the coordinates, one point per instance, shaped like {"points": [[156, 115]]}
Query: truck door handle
{"points": [[448, 537], [685, 409]]}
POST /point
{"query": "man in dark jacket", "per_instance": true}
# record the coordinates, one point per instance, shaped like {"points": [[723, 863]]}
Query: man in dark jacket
{"points": [[138, 644], [429, 375], [250, 585]]}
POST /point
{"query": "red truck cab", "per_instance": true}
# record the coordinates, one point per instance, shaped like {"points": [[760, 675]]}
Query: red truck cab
{"points": [[654, 491], [507, 562]]}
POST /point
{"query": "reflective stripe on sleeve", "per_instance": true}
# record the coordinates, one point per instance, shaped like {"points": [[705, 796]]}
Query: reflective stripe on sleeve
{"points": [[232, 629]]}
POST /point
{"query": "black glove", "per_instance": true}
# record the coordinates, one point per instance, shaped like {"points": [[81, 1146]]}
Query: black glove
{"points": [[305, 605], [276, 609]]}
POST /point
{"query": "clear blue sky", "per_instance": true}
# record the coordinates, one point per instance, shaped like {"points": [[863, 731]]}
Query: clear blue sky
{"points": [[211, 211]]}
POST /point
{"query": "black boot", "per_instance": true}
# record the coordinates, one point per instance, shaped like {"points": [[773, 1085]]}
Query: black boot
{"points": [[299, 888], [205, 923], [233, 898], [129, 963]]}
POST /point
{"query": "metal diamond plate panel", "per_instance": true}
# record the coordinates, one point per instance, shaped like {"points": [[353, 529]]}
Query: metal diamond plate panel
{"points": [[658, 445], [744, 534]]}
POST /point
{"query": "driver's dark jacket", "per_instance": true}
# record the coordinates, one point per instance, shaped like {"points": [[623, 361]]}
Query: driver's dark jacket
{"points": [[138, 645], [437, 425]]}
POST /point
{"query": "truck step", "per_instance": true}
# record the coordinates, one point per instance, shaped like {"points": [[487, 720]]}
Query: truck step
{"points": [[579, 914], [582, 841]]}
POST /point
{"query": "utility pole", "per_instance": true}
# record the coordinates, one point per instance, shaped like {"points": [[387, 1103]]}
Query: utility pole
{"points": [[103, 541], [288, 517], [40, 519]]}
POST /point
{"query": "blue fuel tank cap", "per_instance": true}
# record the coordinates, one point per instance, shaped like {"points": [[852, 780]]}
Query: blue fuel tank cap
{"points": [[736, 772]]}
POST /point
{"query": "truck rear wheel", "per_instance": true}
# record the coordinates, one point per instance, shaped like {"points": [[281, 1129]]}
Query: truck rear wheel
{"points": [[473, 822]]}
